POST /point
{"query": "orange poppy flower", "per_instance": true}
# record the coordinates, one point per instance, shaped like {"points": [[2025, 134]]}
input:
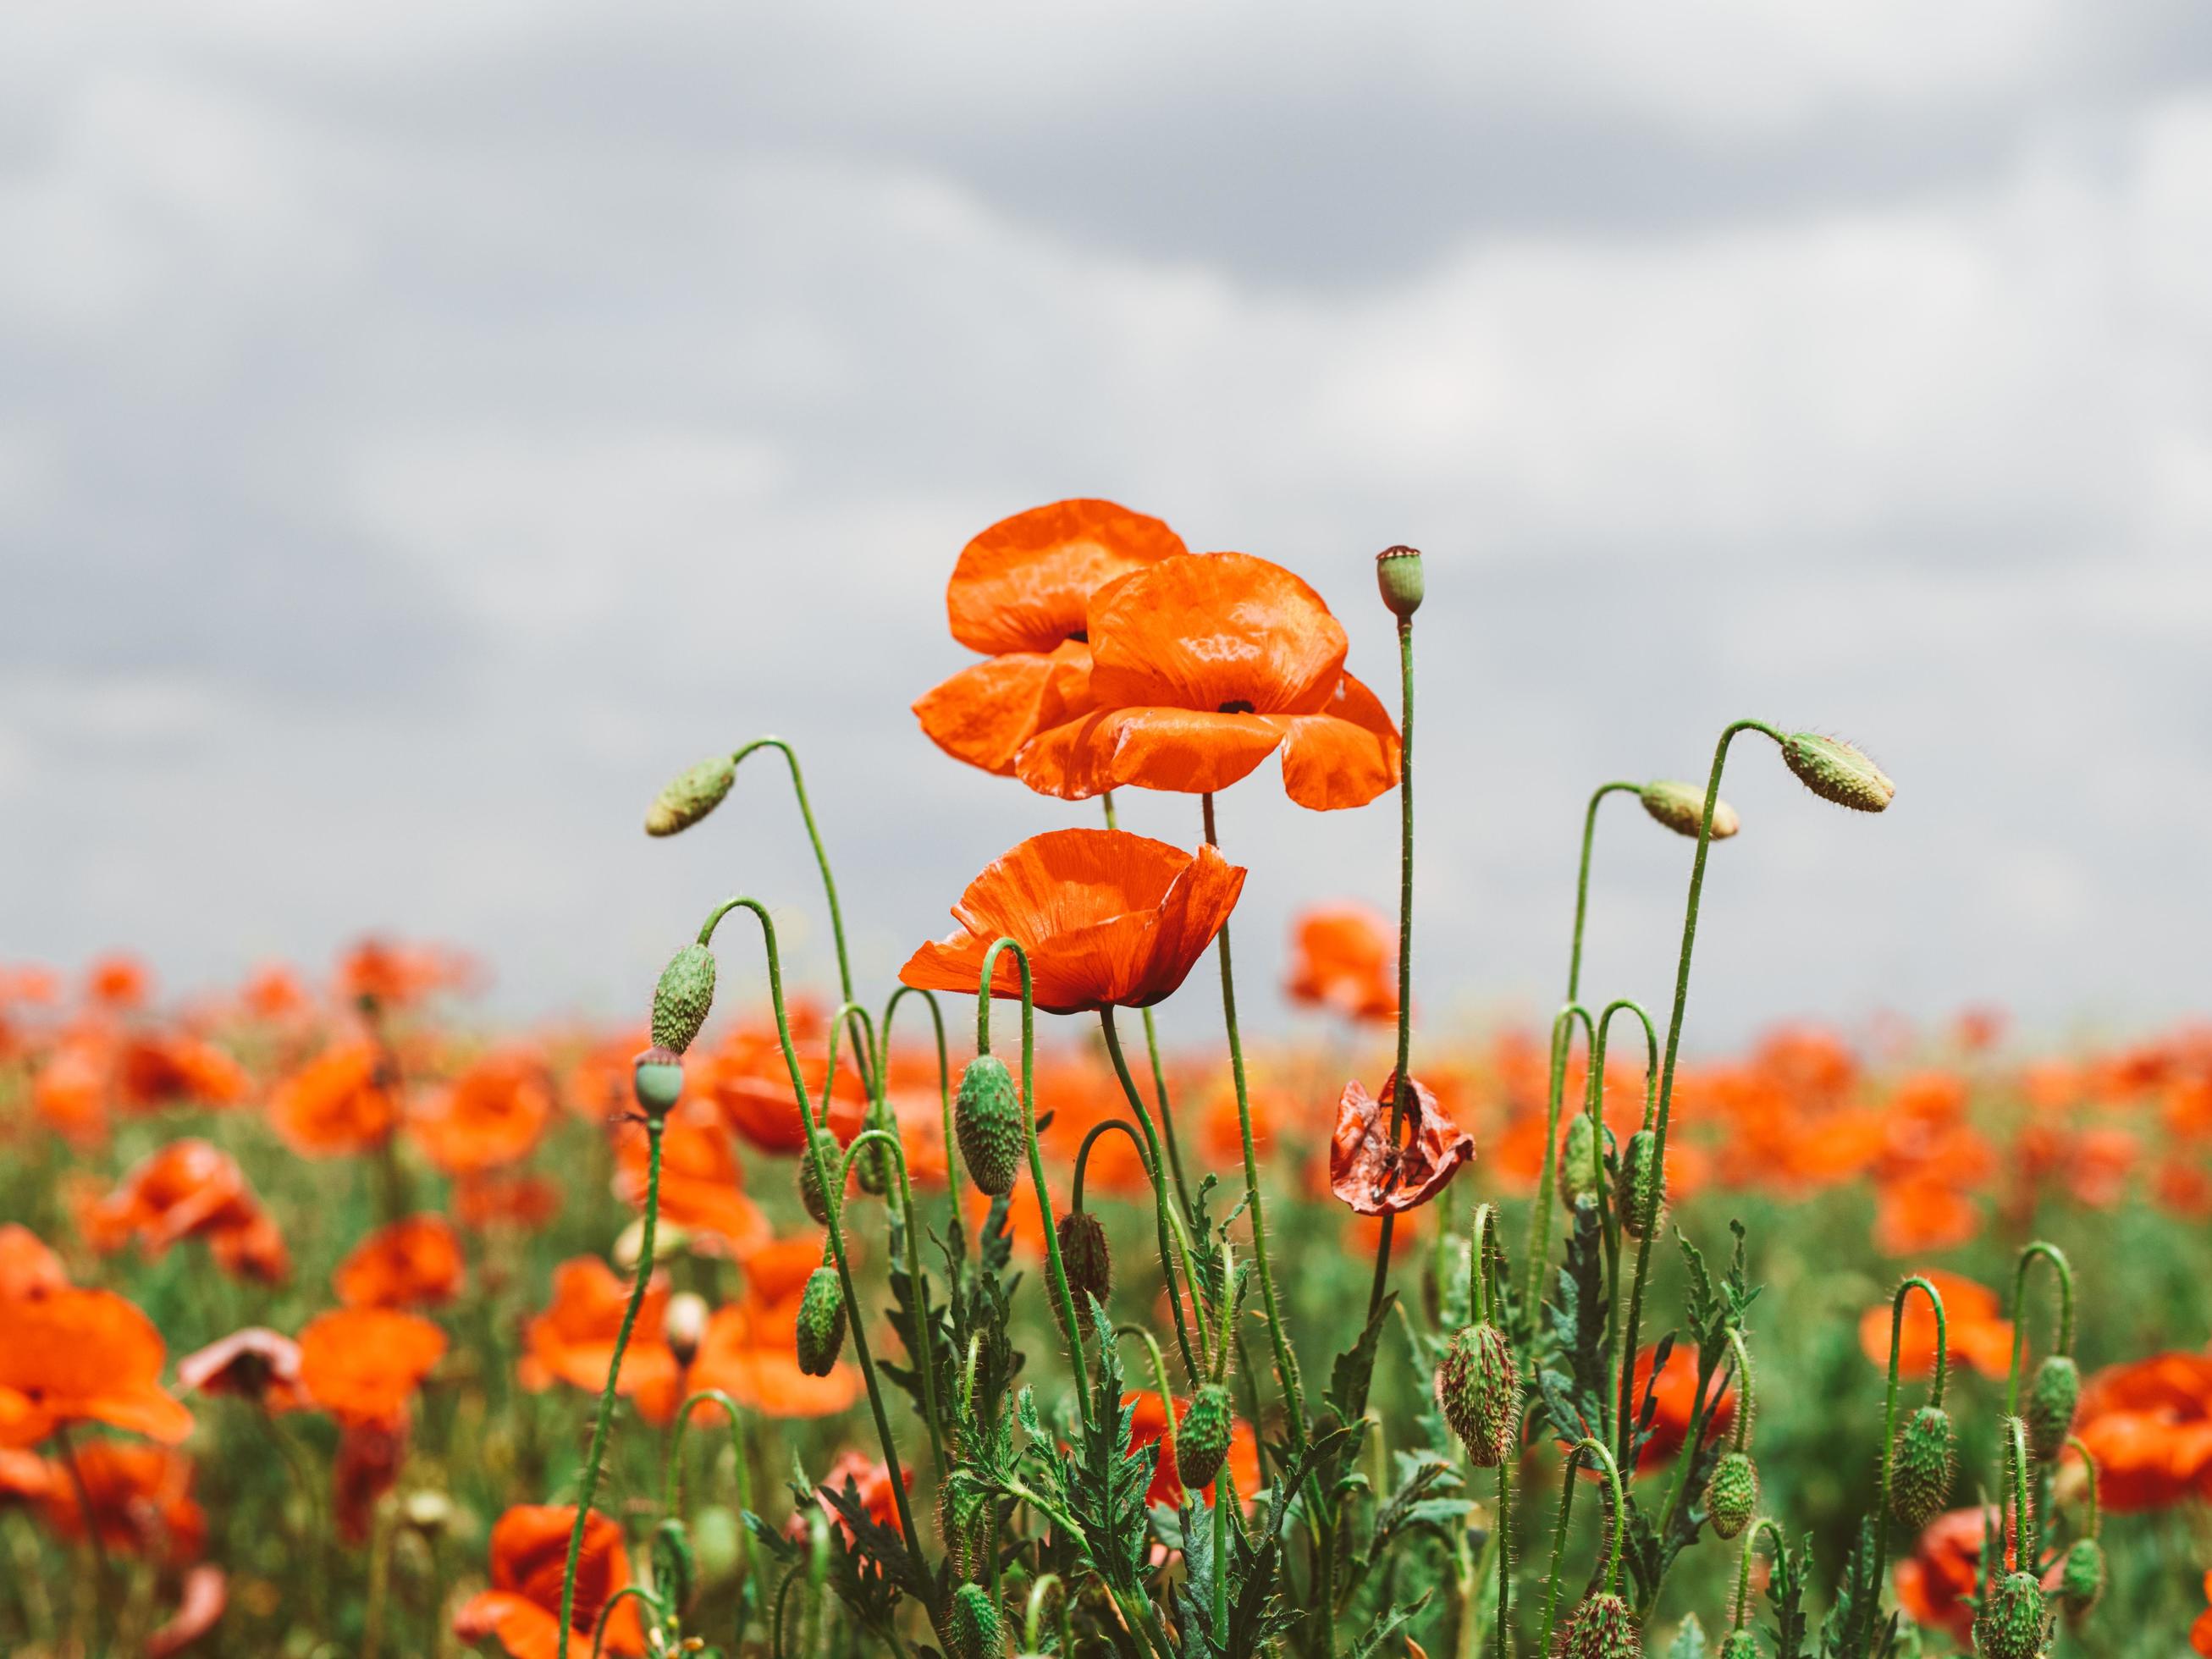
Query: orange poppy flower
{"points": [[27, 1268], [573, 1341], [370, 1454], [1108, 919], [337, 1104], [2200, 1633], [393, 976], [158, 1069], [1344, 958], [254, 1363], [490, 1117], [526, 1201], [254, 1250], [1674, 1400], [2148, 1424], [70, 1092], [522, 1609], [120, 981], [749, 1080], [1148, 1420], [1019, 594], [142, 1501], [1977, 1336], [26, 1477], [274, 993], [186, 1189], [76, 1356], [870, 1481], [1203, 664], [1934, 1581], [364, 1364], [414, 1261], [1375, 1177], [750, 1349], [702, 1185], [1922, 1213]]}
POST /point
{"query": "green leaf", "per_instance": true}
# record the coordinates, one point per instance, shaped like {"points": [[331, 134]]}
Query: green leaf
{"points": [[1689, 1641]]}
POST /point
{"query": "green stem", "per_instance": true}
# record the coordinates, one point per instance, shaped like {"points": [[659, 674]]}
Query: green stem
{"points": [[2023, 1538], [2064, 1271], [943, 1061], [101, 1574], [1591, 1445], [1582, 882], [1540, 1219], [922, 1360], [1616, 1351], [1747, 1400], [1402, 1080], [1159, 1202], [1159, 1073], [2089, 1468], [1773, 1531], [672, 1500], [627, 1593], [1889, 1406]]}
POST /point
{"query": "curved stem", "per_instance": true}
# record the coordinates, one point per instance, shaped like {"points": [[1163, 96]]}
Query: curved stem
{"points": [[1773, 1531], [2064, 1271], [924, 1360], [1558, 1554], [672, 1480], [1889, 1407], [1540, 1219], [2089, 1468], [944, 1062], [1582, 881], [1159, 1381], [1401, 1084], [1590, 1445], [627, 1593], [1747, 1401], [1161, 1218], [1159, 1072], [1034, 1614], [1625, 1351]]}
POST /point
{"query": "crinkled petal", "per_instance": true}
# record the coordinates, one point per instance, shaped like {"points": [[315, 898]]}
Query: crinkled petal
{"points": [[1345, 756], [1193, 751], [984, 713], [1024, 584], [1373, 1176], [1207, 631]]}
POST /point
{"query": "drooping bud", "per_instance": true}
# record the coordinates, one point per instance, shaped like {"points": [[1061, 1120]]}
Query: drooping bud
{"points": [[1602, 1628], [2081, 1580], [657, 1080], [987, 1120], [683, 999], [1921, 1470], [1398, 574], [964, 1520], [1577, 1179], [2014, 1622], [1732, 1496], [1740, 1644], [1478, 1389], [690, 795], [973, 1629], [873, 1166], [683, 1326], [821, 1322], [1682, 807], [810, 1179], [2052, 1399], [1837, 771], [1201, 1440], [1085, 1259], [1643, 1184]]}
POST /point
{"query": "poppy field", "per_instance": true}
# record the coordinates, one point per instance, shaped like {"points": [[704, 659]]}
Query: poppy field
{"points": [[960, 1316]]}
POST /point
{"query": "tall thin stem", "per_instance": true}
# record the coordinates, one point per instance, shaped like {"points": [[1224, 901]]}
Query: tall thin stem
{"points": [[1616, 1516], [2063, 1270], [1402, 1082], [1889, 1405], [1539, 1219], [1616, 1351], [1582, 882], [923, 1359], [671, 1495], [1159, 1196], [1159, 1072]]}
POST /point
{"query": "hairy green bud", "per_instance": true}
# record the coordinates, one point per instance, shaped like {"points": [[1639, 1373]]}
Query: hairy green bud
{"points": [[1739, 1645], [1644, 1186], [1920, 1477], [1478, 1389], [1837, 771], [690, 795], [973, 1628], [1398, 574], [1202, 1437], [821, 1322], [1084, 1257], [1682, 807], [987, 1120], [1732, 1495], [965, 1518], [2081, 1579], [810, 1179], [2052, 1399], [1602, 1628], [683, 999], [2014, 1622], [1577, 1179]]}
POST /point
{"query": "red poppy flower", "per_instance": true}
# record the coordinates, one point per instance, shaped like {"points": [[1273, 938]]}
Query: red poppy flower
{"points": [[702, 1184], [118, 980], [414, 1261], [750, 1350], [254, 1363], [393, 976], [76, 1356], [1108, 919], [188, 1188], [70, 1092], [364, 1364], [273, 993], [749, 1080], [141, 1500], [1203, 664], [870, 1481], [1367, 1172], [370, 1454], [522, 1609], [26, 1477], [1344, 958], [490, 1117], [1148, 1418], [2200, 1633], [1019, 595], [27, 1268], [573, 1341], [155, 1069], [524, 1201], [1934, 1581], [1977, 1336], [1674, 1402], [337, 1104], [2148, 1424]]}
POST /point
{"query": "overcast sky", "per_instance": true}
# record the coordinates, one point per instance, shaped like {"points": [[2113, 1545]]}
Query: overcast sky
{"points": [[424, 427]]}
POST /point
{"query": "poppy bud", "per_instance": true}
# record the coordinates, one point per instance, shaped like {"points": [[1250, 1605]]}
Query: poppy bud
{"points": [[1837, 771], [1920, 1477], [1479, 1392], [964, 1520], [1201, 1440], [1602, 1628], [2014, 1621], [682, 1000], [874, 1164], [689, 796], [1682, 807], [972, 1627], [1645, 1185], [987, 1120], [683, 1326], [1398, 574], [1740, 1644], [1732, 1496], [657, 1079], [2051, 1398], [821, 1322], [810, 1180], [1577, 1180], [2081, 1580], [675, 1568], [1085, 1259]]}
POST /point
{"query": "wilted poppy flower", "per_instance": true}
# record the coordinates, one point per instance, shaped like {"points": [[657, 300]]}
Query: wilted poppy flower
{"points": [[254, 1363], [201, 1599], [870, 1481], [1148, 1418], [2148, 1424], [1344, 958], [76, 1356], [1203, 664], [1674, 1402], [1108, 919], [750, 1350], [363, 1365], [522, 1609], [339, 1103], [1935, 1583], [573, 1341], [414, 1261], [27, 1268], [1019, 595], [1977, 1336], [490, 1117], [1375, 1177], [702, 1186], [141, 1500]]}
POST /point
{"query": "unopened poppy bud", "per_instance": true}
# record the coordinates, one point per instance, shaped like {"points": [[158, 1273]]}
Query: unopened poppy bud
{"points": [[657, 1079], [1920, 1467], [1837, 771], [1478, 1389], [987, 1120], [821, 1322], [2052, 1399], [811, 1194], [1398, 574], [1602, 1628], [1643, 1184], [2014, 1622], [1201, 1440], [973, 1627], [1578, 1178], [690, 795], [683, 1326], [963, 1520], [1086, 1259], [1732, 1496], [1740, 1644], [1682, 807], [683, 999], [873, 1166], [2081, 1580]]}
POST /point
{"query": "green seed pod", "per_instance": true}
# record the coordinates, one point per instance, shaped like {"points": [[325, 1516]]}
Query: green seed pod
{"points": [[657, 1079], [1837, 771], [1732, 1495], [1739, 1645], [1682, 807], [1202, 1437], [964, 1518], [821, 1322], [2015, 1622], [973, 1628], [682, 1000], [1577, 1180], [2051, 1398], [1480, 1391], [1602, 1628], [987, 1120], [2081, 1580], [689, 796], [1398, 574], [1645, 1185], [809, 1181], [1085, 1259], [1920, 1478]]}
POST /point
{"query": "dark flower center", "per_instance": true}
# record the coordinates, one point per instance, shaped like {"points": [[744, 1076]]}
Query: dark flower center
{"points": [[1235, 706]]}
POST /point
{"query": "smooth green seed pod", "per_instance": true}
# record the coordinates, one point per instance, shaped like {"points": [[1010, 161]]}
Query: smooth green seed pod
{"points": [[1740, 1644], [2015, 1621], [2081, 1580], [1837, 771], [987, 1120], [684, 998], [657, 1080], [1732, 1496], [2051, 1400], [1478, 1389], [1682, 807], [1602, 1628], [1398, 574], [1202, 1437], [690, 795], [1577, 1181], [809, 1181], [1644, 1185], [1920, 1476], [965, 1518], [821, 1322], [974, 1630], [1086, 1259]]}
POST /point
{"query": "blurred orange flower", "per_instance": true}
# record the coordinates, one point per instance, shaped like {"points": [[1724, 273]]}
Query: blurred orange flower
{"points": [[364, 1364], [76, 1356], [393, 976], [1674, 1399], [870, 1481], [27, 1268], [1375, 1177], [1934, 1581], [339, 1103], [573, 1341], [414, 1261], [1148, 1420], [155, 1069], [750, 1348], [490, 1117], [141, 1501], [119, 981], [186, 1189], [1976, 1335], [2148, 1424], [254, 1363], [522, 1609], [1344, 958], [702, 1184], [749, 1080]]}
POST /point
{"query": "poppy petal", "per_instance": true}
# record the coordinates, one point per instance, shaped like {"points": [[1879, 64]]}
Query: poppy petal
{"points": [[1194, 751], [1208, 631], [1344, 757], [984, 713], [1024, 584]]}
